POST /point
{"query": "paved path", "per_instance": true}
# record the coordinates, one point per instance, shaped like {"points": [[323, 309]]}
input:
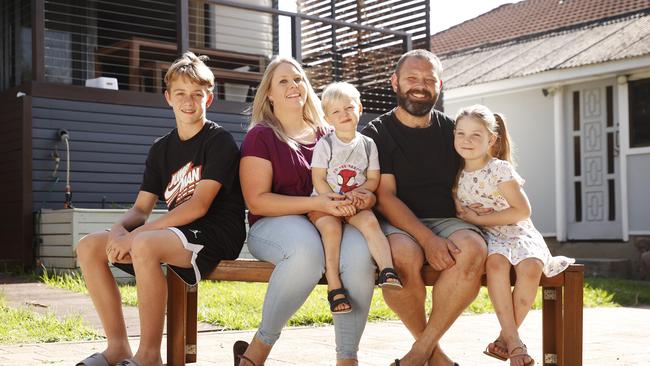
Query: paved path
{"points": [[612, 337], [43, 298]]}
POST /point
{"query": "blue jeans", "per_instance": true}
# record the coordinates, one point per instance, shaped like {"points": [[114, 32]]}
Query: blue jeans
{"points": [[294, 245]]}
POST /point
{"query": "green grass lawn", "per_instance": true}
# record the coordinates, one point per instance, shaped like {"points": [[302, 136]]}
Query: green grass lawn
{"points": [[238, 305], [23, 325]]}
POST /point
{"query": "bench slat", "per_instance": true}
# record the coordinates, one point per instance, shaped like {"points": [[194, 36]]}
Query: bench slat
{"points": [[247, 270]]}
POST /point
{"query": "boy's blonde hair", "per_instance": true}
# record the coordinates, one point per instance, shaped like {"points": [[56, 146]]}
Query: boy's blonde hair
{"points": [[337, 91], [193, 68], [262, 109]]}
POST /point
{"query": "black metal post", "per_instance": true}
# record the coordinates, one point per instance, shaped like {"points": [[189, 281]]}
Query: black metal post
{"points": [[336, 58], [38, 40], [296, 38], [183, 30]]}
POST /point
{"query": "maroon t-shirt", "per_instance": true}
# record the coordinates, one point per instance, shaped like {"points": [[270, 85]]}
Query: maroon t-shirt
{"points": [[291, 168]]}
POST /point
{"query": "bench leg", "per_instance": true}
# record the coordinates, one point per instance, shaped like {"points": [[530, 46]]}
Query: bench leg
{"points": [[573, 288], [176, 319], [191, 324], [551, 326]]}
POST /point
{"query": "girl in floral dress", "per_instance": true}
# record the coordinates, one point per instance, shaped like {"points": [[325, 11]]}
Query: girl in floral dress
{"points": [[489, 178]]}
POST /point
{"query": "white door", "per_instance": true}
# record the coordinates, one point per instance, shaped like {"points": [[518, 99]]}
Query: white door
{"points": [[594, 210]]}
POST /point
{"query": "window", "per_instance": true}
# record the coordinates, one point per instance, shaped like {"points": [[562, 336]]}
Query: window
{"points": [[639, 95]]}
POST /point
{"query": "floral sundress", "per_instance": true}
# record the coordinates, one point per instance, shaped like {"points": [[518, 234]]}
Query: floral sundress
{"points": [[517, 241]]}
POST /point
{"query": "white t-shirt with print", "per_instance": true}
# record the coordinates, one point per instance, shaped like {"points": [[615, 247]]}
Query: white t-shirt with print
{"points": [[346, 163]]}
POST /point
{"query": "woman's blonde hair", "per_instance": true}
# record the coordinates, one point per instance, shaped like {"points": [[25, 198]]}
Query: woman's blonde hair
{"points": [[192, 67], [262, 109], [496, 125]]}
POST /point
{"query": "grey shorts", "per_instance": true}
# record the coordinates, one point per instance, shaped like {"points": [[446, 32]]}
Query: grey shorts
{"points": [[442, 227]]}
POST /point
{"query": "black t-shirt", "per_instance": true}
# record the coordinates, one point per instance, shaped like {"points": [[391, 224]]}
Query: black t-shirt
{"points": [[174, 167], [423, 161]]}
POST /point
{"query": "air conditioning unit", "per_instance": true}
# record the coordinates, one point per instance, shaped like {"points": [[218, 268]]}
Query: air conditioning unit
{"points": [[102, 83]]}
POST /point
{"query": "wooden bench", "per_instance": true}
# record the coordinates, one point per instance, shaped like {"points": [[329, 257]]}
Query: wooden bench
{"points": [[561, 312]]}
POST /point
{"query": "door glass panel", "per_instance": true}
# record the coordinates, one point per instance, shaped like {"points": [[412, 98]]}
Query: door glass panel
{"points": [[576, 111], [610, 106], [576, 156], [610, 152], [578, 198], [612, 200]]}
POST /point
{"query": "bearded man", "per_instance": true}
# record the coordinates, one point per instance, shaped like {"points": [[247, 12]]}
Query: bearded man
{"points": [[418, 169]]}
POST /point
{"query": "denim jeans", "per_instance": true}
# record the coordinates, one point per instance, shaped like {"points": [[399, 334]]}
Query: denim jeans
{"points": [[294, 245]]}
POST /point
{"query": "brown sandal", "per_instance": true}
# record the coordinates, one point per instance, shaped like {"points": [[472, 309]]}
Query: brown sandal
{"points": [[238, 350], [523, 353], [493, 352]]}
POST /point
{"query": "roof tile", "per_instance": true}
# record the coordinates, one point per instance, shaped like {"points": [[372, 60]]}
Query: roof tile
{"points": [[618, 39], [526, 18]]}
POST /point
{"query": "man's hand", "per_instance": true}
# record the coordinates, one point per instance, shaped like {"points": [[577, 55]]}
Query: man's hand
{"points": [[362, 198], [347, 210], [440, 252]]}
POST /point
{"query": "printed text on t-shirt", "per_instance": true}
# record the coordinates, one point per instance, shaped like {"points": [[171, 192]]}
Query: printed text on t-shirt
{"points": [[181, 187]]}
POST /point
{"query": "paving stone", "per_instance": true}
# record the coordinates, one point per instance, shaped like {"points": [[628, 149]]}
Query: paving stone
{"points": [[612, 337]]}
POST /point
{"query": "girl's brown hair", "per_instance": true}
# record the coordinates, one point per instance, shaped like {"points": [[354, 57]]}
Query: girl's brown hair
{"points": [[495, 123], [502, 147]]}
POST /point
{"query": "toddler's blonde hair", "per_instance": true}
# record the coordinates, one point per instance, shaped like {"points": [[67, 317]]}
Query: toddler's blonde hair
{"points": [[337, 91]]}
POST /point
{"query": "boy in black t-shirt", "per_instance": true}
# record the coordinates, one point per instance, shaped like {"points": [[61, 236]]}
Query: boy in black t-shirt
{"points": [[194, 169]]}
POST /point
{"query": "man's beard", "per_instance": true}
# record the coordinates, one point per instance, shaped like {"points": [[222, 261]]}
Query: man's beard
{"points": [[416, 108]]}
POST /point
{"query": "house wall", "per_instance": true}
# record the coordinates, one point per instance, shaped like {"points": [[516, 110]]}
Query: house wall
{"points": [[638, 193], [529, 116], [108, 147], [233, 28]]}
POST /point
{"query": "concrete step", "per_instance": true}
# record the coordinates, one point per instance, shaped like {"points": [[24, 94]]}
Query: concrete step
{"points": [[606, 267]]}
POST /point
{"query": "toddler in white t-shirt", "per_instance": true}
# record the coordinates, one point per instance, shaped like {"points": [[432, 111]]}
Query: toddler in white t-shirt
{"points": [[347, 162]]}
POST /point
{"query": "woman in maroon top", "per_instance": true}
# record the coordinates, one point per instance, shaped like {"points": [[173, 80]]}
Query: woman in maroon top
{"points": [[275, 175]]}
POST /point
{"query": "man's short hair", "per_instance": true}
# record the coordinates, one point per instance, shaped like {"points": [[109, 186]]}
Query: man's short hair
{"points": [[421, 54], [193, 68]]}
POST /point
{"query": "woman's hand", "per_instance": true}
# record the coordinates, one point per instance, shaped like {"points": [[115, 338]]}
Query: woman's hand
{"points": [[334, 204]]}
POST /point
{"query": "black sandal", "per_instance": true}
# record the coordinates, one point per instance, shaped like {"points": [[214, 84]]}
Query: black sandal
{"points": [[386, 274], [337, 302]]}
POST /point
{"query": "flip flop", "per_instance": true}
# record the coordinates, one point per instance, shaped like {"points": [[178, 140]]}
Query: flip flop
{"points": [[127, 362], [96, 359], [496, 355], [238, 350], [397, 362], [523, 354]]}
